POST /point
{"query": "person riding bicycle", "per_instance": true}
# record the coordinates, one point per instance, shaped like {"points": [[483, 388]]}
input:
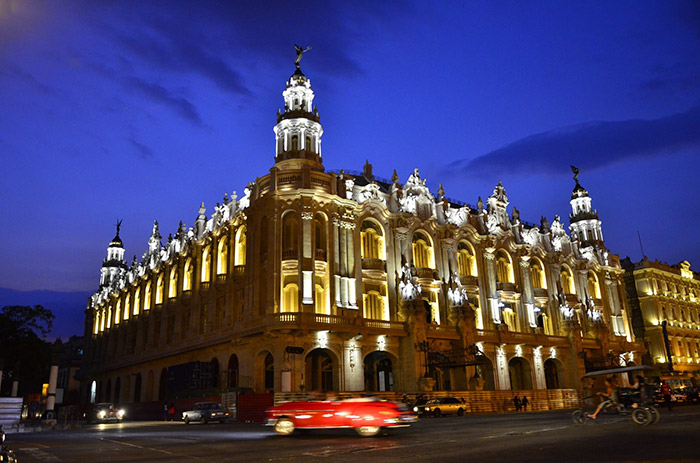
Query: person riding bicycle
{"points": [[609, 397]]}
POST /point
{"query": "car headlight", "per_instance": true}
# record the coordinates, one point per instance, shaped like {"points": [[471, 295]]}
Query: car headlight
{"points": [[101, 414], [213, 415], [415, 409], [427, 409], [121, 413]]}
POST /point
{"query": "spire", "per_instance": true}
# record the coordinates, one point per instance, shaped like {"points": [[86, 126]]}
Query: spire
{"points": [[114, 264], [584, 223], [298, 131], [154, 241]]}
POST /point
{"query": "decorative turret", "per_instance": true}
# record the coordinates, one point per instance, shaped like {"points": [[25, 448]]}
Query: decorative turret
{"points": [[298, 130], [585, 226], [114, 265]]}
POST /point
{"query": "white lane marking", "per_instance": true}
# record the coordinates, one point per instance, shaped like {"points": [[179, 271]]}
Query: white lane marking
{"points": [[40, 454], [129, 444]]}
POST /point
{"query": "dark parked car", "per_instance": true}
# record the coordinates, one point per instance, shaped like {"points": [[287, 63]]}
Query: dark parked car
{"points": [[103, 412], [205, 412]]}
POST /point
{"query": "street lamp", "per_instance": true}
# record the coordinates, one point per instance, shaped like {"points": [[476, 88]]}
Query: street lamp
{"points": [[423, 346]]}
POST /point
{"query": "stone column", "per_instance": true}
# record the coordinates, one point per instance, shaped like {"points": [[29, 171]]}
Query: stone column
{"points": [[494, 311], [527, 291], [51, 399]]}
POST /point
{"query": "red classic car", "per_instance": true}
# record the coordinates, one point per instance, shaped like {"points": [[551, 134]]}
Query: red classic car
{"points": [[366, 415]]}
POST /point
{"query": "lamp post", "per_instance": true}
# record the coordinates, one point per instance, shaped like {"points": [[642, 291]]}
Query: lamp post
{"points": [[423, 346]]}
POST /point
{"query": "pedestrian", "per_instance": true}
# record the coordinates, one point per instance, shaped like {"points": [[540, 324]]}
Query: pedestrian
{"points": [[165, 411], [666, 392], [609, 397], [172, 411], [517, 403], [524, 402]]}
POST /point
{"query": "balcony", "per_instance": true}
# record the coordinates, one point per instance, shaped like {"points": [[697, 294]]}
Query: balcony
{"points": [[221, 278], [320, 254], [422, 272], [239, 270], [506, 286], [469, 280], [373, 264], [540, 292], [290, 254], [335, 322]]}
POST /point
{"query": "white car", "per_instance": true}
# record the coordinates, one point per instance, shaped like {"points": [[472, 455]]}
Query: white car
{"points": [[204, 412]]}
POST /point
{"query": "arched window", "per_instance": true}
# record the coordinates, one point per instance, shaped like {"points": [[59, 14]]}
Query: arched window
{"points": [[372, 239], [127, 306], [147, 297], [537, 275], [465, 260], [206, 264], [422, 251], [504, 268], [295, 142], [172, 283], [291, 298], [320, 300], [567, 281], [117, 313], [137, 301], [241, 245], [593, 286], [109, 317], [187, 275], [290, 236], [159, 289], [374, 306], [222, 257], [308, 146], [320, 236]]}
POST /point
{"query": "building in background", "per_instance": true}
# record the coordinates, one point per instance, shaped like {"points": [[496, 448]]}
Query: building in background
{"points": [[665, 304], [316, 280]]}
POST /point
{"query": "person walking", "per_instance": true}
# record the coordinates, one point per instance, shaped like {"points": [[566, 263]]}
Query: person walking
{"points": [[172, 411], [517, 403], [666, 392], [524, 402], [165, 411]]}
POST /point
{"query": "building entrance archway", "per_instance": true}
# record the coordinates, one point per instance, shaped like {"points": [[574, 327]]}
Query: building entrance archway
{"points": [[551, 374], [520, 374], [379, 374], [319, 370], [441, 374]]}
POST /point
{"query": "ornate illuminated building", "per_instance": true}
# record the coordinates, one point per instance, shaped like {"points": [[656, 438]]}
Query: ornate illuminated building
{"points": [[318, 280], [665, 305]]}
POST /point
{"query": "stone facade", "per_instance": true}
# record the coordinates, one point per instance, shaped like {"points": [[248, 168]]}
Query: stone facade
{"points": [[665, 304], [342, 281]]}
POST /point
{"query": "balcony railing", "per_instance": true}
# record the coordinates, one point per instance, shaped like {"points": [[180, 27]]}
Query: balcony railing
{"points": [[469, 280], [423, 272], [239, 270], [321, 254], [373, 264], [506, 286], [289, 254], [540, 292]]}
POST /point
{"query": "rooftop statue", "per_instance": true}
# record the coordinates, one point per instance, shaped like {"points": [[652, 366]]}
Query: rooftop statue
{"points": [[576, 171], [300, 54]]}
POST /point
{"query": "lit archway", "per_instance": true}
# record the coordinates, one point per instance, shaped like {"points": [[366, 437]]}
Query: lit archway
{"points": [[520, 374], [379, 374], [319, 370], [232, 372]]}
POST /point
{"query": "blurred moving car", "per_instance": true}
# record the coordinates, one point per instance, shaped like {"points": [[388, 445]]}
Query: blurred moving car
{"points": [[205, 412], [441, 406], [366, 415], [103, 412]]}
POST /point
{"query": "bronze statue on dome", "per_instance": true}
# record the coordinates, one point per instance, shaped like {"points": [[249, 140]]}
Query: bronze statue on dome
{"points": [[300, 54], [576, 171]]}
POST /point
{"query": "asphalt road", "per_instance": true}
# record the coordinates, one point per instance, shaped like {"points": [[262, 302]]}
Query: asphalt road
{"points": [[536, 437]]}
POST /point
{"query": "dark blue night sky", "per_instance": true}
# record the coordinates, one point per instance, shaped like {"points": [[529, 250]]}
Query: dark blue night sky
{"points": [[141, 110]]}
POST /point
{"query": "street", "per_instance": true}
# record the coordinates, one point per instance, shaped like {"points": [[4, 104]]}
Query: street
{"points": [[547, 436]]}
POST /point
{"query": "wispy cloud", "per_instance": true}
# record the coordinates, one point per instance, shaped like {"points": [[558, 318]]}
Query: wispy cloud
{"points": [[161, 95], [144, 151], [591, 145]]}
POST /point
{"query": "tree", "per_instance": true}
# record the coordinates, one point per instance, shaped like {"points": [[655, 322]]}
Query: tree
{"points": [[25, 354]]}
